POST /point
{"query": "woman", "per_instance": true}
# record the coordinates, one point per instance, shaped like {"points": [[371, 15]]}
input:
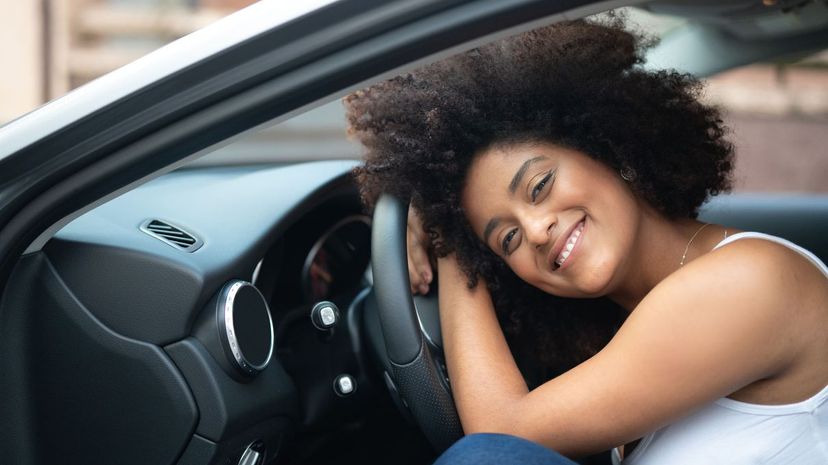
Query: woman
{"points": [[558, 183]]}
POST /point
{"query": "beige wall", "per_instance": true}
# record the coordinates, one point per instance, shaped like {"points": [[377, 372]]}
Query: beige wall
{"points": [[21, 55], [86, 38]]}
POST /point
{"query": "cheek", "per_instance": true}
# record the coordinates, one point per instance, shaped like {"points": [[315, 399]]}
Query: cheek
{"points": [[524, 267], [593, 276], [528, 270]]}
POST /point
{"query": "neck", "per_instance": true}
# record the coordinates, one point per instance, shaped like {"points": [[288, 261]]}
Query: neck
{"points": [[655, 254]]}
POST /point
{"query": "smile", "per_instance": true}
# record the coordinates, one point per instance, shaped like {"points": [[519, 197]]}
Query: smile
{"points": [[569, 245]]}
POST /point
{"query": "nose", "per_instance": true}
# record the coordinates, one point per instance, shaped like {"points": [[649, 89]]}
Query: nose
{"points": [[537, 228]]}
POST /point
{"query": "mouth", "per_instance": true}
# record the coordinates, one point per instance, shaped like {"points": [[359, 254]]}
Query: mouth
{"points": [[563, 251]]}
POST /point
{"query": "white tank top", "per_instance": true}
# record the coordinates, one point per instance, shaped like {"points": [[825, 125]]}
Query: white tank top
{"points": [[730, 432]]}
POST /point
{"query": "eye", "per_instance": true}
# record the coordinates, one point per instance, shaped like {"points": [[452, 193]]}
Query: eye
{"points": [[507, 241], [547, 179]]}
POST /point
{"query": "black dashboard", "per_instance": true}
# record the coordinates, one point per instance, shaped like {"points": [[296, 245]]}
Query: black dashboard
{"points": [[145, 289], [119, 333]]}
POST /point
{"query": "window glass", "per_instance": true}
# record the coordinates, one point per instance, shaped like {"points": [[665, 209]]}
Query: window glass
{"points": [[54, 46], [778, 114]]}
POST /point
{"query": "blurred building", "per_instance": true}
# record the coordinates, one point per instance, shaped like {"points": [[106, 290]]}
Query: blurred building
{"points": [[778, 112], [778, 116], [49, 47]]}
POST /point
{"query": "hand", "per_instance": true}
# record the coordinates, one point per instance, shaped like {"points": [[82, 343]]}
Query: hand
{"points": [[419, 267]]}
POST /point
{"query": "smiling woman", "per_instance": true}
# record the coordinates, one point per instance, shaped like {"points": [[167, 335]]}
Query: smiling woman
{"points": [[560, 183], [577, 86]]}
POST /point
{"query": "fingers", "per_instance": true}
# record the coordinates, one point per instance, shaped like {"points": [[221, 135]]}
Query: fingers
{"points": [[419, 284], [419, 267]]}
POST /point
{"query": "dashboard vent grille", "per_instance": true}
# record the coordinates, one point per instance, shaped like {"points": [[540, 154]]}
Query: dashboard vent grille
{"points": [[172, 235]]}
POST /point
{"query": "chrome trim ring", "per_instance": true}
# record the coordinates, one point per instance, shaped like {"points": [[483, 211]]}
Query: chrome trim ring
{"points": [[226, 307]]}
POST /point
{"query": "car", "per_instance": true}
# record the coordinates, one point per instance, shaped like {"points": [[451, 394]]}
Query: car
{"points": [[155, 312]]}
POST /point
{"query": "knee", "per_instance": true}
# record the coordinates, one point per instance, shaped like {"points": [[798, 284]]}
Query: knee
{"points": [[499, 449]]}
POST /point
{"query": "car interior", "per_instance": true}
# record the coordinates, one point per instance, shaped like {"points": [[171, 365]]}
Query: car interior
{"points": [[225, 312]]}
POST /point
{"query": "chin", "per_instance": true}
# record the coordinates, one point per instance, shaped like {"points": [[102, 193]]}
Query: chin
{"points": [[579, 293], [591, 284]]}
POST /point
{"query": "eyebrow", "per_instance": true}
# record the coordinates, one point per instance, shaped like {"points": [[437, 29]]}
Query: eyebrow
{"points": [[519, 176]]}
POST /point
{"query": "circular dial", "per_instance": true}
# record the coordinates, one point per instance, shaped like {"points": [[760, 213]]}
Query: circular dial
{"points": [[245, 324]]}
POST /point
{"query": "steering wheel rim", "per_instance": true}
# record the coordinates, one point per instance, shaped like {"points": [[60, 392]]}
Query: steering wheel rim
{"points": [[418, 378]]}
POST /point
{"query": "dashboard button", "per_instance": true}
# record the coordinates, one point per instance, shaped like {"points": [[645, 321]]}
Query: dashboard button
{"points": [[344, 385], [324, 315], [327, 315]]}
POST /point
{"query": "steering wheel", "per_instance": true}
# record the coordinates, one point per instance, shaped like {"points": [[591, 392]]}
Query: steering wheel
{"points": [[417, 374]]}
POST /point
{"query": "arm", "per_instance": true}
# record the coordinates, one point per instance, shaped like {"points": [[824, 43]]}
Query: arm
{"points": [[703, 333]]}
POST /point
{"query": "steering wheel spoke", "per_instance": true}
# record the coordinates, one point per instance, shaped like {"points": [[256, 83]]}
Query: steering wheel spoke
{"points": [[418, 372]]}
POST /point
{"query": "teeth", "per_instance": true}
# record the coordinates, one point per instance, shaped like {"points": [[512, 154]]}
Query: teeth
{"points": [[570, 244]]}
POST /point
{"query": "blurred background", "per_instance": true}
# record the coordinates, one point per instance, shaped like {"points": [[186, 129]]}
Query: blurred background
{"points": [[777, 112]]}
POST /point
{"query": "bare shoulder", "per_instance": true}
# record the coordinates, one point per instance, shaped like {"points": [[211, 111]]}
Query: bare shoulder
{"points": [[751, 297], [762, 258], [750, 274]]}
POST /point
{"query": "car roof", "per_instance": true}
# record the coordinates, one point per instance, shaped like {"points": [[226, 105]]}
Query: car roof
{"points": [[718, 35]]}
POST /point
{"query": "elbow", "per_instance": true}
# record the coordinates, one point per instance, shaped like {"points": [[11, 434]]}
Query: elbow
{"points": [[500, 420], [514, 422], [532, 436], [519, 432], [487, 427]]}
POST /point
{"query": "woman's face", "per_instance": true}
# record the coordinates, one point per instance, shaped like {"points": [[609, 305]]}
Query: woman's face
{"points": [[562, 221]]}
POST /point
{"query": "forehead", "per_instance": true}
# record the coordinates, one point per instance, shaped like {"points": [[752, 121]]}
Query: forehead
{"points": [[495, 167], [501, 157]]}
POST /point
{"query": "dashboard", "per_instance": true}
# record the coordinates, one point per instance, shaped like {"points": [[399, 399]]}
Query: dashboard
{"points": [[177, 315]]}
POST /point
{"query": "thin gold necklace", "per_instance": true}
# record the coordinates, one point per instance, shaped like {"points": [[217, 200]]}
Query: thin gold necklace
{"points": [[684, 255]]}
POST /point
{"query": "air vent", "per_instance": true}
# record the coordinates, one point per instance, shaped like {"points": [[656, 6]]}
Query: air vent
{"points": [[172, 235]]}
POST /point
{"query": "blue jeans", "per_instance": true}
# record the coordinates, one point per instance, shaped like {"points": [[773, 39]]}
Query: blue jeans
{"points": [[499, 449]]}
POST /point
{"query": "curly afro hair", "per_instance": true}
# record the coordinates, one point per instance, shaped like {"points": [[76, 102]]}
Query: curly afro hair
{"points": [[576, 84]]}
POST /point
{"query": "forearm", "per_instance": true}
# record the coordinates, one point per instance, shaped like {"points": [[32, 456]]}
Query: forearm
{"points": [[487, 385], [575, 414]]}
